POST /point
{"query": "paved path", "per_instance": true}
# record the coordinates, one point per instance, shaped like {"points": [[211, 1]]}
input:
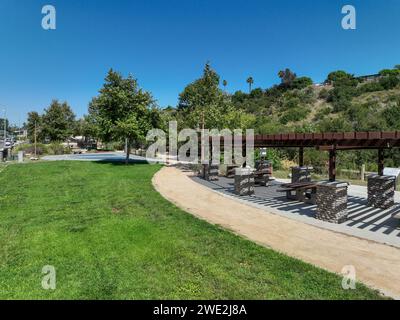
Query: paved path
{"points": [[363, 221], [104, 156], [376, 264]]}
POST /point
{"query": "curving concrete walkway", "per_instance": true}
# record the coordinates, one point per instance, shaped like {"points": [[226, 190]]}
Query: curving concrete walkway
{"points": [[377, 265]]}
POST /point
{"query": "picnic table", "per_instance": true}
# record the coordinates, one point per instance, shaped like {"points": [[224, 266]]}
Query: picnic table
{"points": [[303, 191]]}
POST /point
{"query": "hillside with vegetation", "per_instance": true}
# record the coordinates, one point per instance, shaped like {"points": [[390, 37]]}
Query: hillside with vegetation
{"points": [[342, 103]]}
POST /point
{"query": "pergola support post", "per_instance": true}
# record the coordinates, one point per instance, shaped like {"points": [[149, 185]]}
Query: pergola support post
{"points": [[381, 161], [332, 164], [244, 153], [301, 157]]}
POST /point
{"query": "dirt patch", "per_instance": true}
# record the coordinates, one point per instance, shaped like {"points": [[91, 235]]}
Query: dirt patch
{"points": [[376, 265], [116, 210]]}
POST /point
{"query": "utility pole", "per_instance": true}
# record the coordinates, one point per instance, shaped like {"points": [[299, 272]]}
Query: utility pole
{"points": [[202, 137], [35, 140]]}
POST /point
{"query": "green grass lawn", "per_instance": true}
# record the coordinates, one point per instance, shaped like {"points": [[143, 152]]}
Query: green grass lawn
{"points": [[110, 235]]}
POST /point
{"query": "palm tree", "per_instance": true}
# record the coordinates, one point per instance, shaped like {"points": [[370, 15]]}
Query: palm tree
{"points": [[250, 81], [225, 83]]}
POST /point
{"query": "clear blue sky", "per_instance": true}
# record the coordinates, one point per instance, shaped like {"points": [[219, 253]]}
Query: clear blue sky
{"points": [[165, 44]]}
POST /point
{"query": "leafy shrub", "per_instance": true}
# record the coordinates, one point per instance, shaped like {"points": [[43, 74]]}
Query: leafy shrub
{"points": [[389, 72], [301, 83], [323, 112], [341, 97], [267, 125], [43, 149], [370, 87], [256, 93], [291, 103], [323, 94], [392, 116], [287, 164], [57, 149], [389, 82], [273, 155], [330, 124], [342, 78], [317, 159], [295, 114], [365, 117], [30, 148]]}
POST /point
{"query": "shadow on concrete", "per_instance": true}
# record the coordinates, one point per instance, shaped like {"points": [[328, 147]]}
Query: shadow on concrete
{"points": [[360, 216]]}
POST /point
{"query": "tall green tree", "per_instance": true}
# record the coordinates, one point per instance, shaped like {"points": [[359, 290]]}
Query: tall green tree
{"points": [[34, 122], [287, 77], [341, 78], [58, 121], [224, 83], [199, 101], [250, 82], [2, 122], [122, 110], [345, 89], [203, 103], [301, 83]]}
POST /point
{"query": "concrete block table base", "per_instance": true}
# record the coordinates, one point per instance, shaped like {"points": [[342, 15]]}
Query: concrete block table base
{"points": [[381, 191], [331, 200], [262, 180], [230, 171], [244, 182], [301, 174], [210, 172]]}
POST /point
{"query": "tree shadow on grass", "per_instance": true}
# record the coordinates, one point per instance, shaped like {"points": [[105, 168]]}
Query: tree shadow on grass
{"points": [[118, 162]]}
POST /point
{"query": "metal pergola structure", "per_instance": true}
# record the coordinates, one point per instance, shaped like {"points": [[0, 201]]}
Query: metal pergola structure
{"points": [[332, 142]]}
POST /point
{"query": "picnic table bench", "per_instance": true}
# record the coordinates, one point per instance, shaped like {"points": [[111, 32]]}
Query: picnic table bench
{"points": [[262, 172], [303, 191], [396, 216]]}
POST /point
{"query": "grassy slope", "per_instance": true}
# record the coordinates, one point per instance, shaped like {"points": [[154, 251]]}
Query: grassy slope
{"points": [[110, 235]]}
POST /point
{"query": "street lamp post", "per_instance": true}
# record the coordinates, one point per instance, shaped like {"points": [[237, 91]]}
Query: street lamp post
{"points": [[5, 127]]}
